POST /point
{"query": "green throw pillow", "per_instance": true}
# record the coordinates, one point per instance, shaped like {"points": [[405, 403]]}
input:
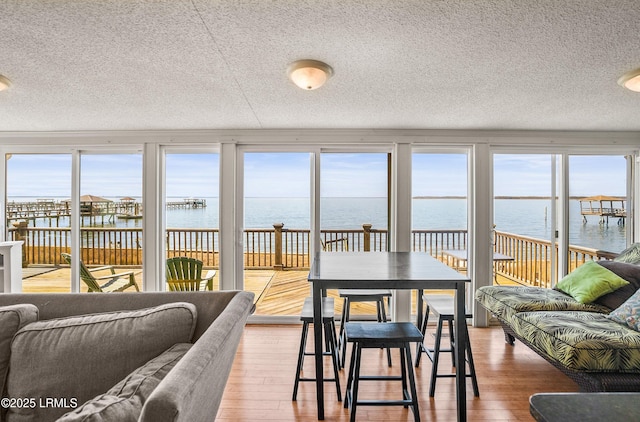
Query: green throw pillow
{"points": [[590, 281]]}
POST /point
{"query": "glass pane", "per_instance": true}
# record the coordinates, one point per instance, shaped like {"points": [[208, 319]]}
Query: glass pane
{"points": [[354, 204], [111, 222], [192, 191], [38, 189], [523, 220], [439, 207], [597, 207], [276, 230], [354, 210]]}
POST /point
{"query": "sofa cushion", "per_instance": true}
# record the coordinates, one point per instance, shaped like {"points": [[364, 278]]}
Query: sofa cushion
{"points": [[629, 272], [631, 255], [505, 301], [77, 358], [124, 401], [590, 281], [582, 341], [628, 313]]}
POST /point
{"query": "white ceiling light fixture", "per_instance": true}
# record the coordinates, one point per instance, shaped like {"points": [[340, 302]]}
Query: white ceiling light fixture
{"points": [[631, 80], [309, 74], [4, 83]]}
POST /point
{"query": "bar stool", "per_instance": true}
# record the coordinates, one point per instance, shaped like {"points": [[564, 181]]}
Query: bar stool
{"points": [[379, 335], [443, 308], [361, 295], [331, 343]]}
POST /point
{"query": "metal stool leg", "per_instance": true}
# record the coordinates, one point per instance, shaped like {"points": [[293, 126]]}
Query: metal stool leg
{"points": [[436, 356], [303, 345], [331, 335], [420, 347], [347, 395], [412, 384], [472, 368], [343, 337], [382, 317], [356, 381]]}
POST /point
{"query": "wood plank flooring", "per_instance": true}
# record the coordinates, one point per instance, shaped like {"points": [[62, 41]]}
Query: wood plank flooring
{"points": [[260, 385]]}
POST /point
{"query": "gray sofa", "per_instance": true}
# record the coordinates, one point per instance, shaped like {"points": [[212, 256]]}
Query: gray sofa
{"points": [[119, 356]]}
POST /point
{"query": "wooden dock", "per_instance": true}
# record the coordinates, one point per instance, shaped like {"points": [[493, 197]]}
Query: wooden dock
{"points": [[187, 203], [603, 207]]}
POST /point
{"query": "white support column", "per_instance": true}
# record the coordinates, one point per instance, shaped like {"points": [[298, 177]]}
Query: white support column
{"points": [[230, 242], [75, 221], [480, 246], [153, 224], [400, 229], [563, 217]]}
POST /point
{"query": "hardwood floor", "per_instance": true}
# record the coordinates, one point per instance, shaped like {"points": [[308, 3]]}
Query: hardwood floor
{"points": [[261, 381]]}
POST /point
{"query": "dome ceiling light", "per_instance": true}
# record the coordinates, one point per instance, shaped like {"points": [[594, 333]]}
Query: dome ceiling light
{"points": [[309, 74], [5, 83], [631, 80]]}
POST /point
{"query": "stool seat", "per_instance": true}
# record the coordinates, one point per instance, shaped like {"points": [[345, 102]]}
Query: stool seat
{"points": [[375, 335], [442, 306], [361, 295], [364, 294], [328, 309], [379, 335]]}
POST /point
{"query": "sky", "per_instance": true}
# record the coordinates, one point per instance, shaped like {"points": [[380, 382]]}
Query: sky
{"points": [[288, 175]]}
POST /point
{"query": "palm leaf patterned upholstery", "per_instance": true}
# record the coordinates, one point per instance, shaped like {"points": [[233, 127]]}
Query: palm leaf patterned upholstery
{"points": [[506, 301], [583, 341]]}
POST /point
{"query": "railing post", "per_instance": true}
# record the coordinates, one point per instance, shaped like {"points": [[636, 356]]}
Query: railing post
{"points": [[277, 265], [21, 235], [367, 237]]}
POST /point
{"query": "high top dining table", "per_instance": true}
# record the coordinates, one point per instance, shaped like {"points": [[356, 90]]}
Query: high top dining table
{"points": [[387, 270]]}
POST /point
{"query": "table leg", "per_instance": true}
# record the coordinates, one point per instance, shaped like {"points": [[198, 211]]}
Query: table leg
{"points": [[419, 311], [317, 344], [460, 347]]}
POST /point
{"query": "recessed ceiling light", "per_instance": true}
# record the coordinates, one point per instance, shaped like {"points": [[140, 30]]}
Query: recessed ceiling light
{"points": [[631, 80], [309, 74], [4, 83]]}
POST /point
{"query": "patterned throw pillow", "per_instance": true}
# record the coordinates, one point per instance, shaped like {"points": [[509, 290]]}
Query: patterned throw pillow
{"points": [[628, 313], [590, 281], [631, 255]]}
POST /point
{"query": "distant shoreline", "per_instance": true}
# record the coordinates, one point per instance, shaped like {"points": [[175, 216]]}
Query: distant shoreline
{"points": [[575, 197]]}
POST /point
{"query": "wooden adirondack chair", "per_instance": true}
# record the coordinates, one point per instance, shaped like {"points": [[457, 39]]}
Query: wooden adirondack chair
{"points": [[93, 282], [185, 274]]}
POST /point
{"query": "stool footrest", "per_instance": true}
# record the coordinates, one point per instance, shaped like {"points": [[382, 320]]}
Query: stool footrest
{"points": [[385, 403], [380, 378]]}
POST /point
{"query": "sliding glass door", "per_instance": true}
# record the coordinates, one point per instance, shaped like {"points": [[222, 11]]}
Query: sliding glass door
{"points": [[276, 236], [38, 213], [111, 216]]}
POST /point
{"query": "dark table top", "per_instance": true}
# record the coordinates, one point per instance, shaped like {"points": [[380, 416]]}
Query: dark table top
{"points": [[585, 407], [391, 270]]}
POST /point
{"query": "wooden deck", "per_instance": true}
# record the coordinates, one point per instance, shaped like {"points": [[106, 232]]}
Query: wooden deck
{"points": [[277, 292]]}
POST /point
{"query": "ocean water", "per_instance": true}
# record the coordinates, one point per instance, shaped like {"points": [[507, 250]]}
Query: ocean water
{"points": [[527, 217]]}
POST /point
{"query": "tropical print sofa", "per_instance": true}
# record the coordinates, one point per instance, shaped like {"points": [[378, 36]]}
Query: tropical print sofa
{"points": [[588, 326]]}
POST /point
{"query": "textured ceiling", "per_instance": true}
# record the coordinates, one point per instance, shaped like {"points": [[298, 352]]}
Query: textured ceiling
{"points": [[220, 64]]}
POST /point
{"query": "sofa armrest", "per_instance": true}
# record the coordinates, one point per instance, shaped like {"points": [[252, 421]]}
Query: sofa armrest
{"points": [[58, 305], [193, 390]]}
